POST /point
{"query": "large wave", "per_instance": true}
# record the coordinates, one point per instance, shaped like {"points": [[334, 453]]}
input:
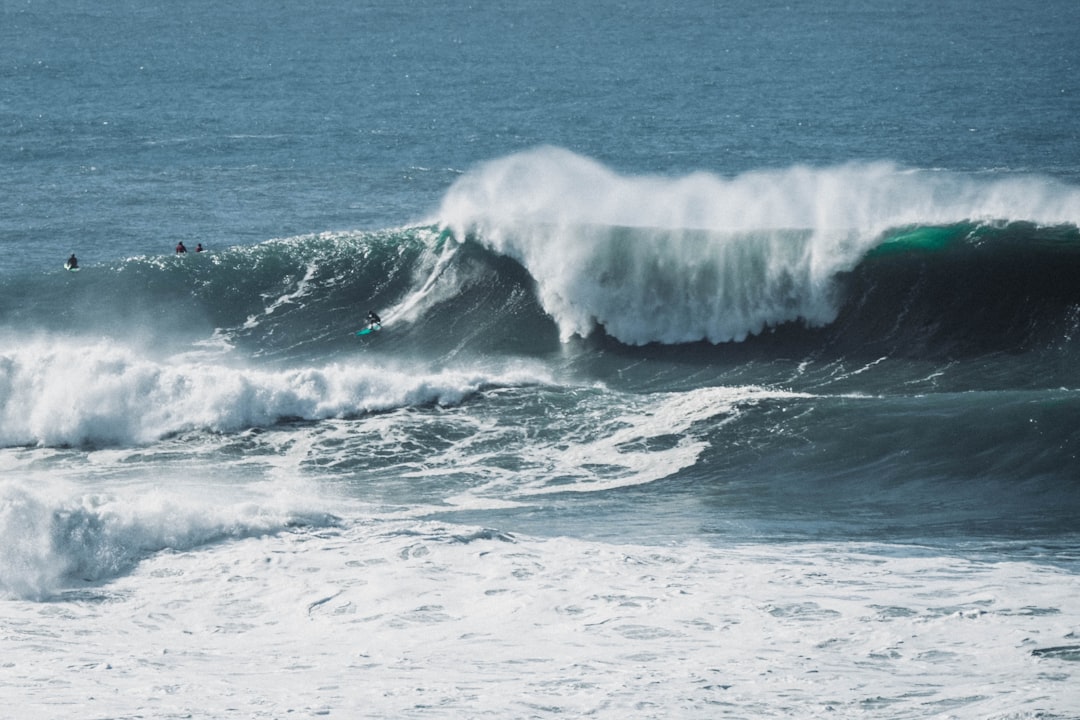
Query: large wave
{"points": [[529, 250], [703, 257], [548, 245]]}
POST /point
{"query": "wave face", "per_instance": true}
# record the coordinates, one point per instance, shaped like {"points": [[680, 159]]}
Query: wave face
{"points": [[149, 347], [854, 351], [547, 260]]}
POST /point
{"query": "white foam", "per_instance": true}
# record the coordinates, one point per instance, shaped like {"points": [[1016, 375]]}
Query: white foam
{"points": [[617, 452], [678, 259], [55, 533], [434, 281], [409, 619], [74, 391], [596, 443]]}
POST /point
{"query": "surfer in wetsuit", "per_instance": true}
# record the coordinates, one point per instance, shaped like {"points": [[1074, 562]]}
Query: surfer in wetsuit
{"points": [[373, 319], [72, 262], [180, 249], [199, 248]]}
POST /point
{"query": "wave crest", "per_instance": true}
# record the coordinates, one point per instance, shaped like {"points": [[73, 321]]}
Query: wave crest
{"points": [[55, 394], [702, 257]]}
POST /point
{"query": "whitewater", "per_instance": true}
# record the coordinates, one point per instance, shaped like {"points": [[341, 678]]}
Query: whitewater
{"points": [[459, 519], [727, 367], [702, 257]]}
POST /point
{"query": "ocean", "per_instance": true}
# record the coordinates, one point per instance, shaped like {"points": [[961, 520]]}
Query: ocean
{"points": [[728, 363]]}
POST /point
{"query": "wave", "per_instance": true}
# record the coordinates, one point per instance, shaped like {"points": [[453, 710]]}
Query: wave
{"points": [[100, 393], [560, 244], [528, 253], [961, 290], [308, 288], [678, 260], [958, 288], [54, 533]]}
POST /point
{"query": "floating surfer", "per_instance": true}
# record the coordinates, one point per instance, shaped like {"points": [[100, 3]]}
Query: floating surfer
{"points": [[72, 263], [180, 249]]}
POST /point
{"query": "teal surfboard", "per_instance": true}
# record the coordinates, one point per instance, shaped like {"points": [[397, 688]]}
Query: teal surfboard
{"points": [[369, 330]]}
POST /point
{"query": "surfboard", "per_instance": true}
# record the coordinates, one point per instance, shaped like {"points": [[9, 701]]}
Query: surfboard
{"points": [[71, 269], [369, 330]]}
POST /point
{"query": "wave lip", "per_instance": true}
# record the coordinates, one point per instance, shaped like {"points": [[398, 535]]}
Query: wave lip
{"points": [[701, 257]]}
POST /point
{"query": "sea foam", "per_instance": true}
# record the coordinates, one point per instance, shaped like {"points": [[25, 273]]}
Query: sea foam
{"points": [[704, 257], [55, 532], [56, 393]]}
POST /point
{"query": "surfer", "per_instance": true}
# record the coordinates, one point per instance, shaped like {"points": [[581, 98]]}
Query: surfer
{"points": [[373, 319], [199, 248], [72, 262], [180, 249]]}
